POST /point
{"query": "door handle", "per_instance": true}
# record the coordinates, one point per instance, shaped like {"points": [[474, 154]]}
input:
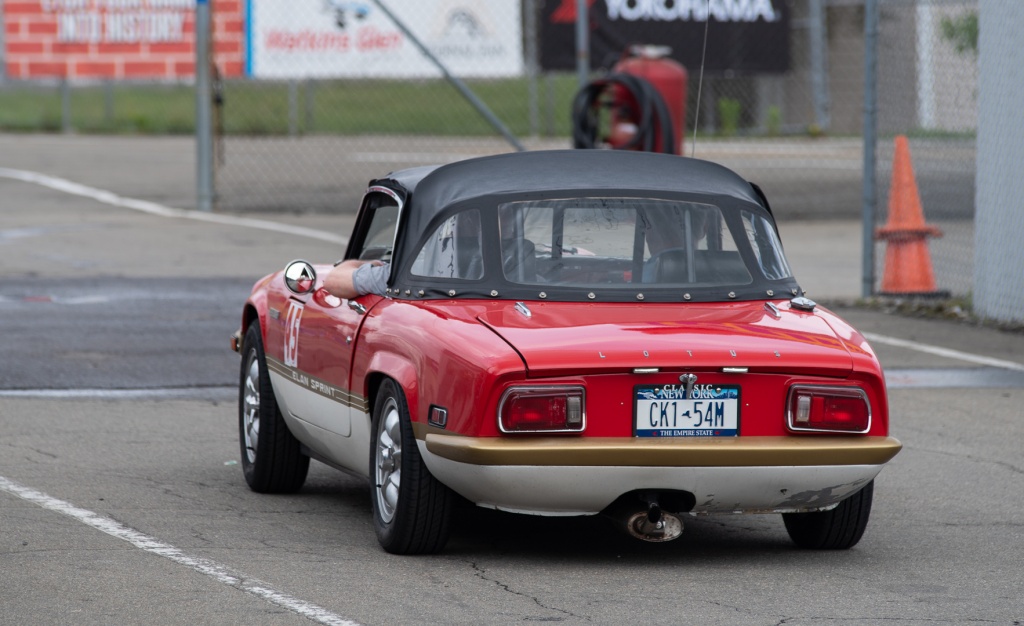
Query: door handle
{"points": [[355, 306]]}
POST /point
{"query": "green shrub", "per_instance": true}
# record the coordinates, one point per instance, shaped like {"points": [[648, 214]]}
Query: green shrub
{"points": [[729, 110], [773, 122]]}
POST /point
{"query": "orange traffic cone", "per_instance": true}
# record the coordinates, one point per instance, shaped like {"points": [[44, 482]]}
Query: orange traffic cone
{"points": [[908, 265]]}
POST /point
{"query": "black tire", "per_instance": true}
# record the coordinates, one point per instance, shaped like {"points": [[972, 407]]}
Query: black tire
{"points": [[411, 508], [838, 529], [272, 460]]}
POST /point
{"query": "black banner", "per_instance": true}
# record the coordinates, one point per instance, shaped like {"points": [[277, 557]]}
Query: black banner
{"points": [[743, 36]]}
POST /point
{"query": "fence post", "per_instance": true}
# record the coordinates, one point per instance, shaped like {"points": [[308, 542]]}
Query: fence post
{"points": [[582, 43], [819, 65], [998, 285], [108, 103], [870, 141], [65, 106], [293, 108], [925, 67], [204, 114], [530, 36], [549, 109], [308, 102]]}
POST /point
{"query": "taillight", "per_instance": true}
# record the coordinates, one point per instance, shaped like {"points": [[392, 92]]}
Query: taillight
{"points": [[542, 410], [821, 409]]}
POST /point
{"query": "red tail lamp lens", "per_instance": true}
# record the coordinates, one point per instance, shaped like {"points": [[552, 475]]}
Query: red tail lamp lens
{"points": [[828, 409], [542, 409]]}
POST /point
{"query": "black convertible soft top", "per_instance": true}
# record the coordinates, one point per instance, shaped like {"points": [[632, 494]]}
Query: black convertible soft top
{"points": [[432, 189], [431, 194]]}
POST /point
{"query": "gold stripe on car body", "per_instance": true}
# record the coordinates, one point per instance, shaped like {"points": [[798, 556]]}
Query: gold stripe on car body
{"points": [[643, 452], [317, 386]]}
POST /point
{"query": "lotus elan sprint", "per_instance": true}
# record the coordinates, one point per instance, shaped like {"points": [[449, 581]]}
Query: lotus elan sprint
{"points": [[567, 333]]}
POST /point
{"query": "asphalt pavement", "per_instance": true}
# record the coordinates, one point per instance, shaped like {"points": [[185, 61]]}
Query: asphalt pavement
{"points": [[824, 250], [121, 500]]}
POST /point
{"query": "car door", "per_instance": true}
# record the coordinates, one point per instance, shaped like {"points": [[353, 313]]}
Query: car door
{"points": [[321, 330]]}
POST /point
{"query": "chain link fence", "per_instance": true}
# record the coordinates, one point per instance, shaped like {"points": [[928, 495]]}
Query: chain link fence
{"points": [[313, 102], [341, 92], [310, 141], [927, 91]]}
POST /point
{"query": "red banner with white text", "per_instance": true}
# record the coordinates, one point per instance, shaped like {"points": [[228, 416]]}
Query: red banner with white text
{"points": [[117, 39]]}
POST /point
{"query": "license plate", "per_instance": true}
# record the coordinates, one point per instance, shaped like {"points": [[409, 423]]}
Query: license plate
{"points": [[667, 411]]}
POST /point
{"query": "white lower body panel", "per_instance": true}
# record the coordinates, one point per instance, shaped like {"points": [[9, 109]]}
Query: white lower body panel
{"points": [[343, 440], [570, 490], [310, 407]]}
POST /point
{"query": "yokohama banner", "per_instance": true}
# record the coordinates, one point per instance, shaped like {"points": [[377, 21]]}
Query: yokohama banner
{"points": [[744, 36], [116, 39]]}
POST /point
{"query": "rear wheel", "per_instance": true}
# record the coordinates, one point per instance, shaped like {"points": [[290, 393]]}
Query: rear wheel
{"points": [[411, 508], [272, 460], [838, 529]]}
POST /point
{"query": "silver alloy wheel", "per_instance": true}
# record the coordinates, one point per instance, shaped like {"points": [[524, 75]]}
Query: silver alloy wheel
{"points": [[251, 407], [389, 460]]}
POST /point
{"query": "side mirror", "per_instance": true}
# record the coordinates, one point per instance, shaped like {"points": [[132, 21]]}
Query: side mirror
{"points": [[300, 277]]}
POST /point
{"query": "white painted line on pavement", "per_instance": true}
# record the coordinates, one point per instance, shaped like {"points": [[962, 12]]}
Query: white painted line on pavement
{"points": [[117, 394], [153, 546], [152, 208], [944, 352]]}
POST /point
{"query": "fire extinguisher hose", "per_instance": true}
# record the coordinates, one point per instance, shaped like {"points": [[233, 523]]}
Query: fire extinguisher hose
{"points": [[654, 116]]}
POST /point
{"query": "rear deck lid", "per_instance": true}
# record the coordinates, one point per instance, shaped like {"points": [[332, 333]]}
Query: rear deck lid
{"points": [[556, 338]]}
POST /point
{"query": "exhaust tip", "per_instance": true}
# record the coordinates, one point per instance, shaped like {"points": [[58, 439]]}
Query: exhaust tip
{"points": [[665, 528], [651, 514]]}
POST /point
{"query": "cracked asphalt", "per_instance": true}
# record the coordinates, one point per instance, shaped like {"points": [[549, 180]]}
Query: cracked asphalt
{"points": [[117, 399]]}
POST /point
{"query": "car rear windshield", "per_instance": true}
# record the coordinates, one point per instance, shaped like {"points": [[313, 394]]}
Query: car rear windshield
{"points": [[604, 242]]}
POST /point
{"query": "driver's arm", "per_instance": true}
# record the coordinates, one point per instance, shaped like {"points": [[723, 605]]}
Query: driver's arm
{"points": [[354, 278]]}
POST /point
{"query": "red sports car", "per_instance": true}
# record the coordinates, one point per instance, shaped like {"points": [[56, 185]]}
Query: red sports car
{"points": [[567, 333]]}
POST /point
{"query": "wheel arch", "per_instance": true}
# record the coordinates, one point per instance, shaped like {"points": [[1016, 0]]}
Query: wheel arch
{"points": [[256, 305], [249, 314], [390, 365]]}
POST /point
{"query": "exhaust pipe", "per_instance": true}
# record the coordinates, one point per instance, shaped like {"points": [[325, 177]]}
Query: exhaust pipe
{"points": [[652, 524]]}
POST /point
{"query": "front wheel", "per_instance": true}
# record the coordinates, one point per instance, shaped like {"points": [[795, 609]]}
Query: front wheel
{"points": [[838, 529], [411, 508], [272, 459]]}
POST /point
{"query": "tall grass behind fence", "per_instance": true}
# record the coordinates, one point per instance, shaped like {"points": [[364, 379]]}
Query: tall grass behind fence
{"points": [[97, 107]]}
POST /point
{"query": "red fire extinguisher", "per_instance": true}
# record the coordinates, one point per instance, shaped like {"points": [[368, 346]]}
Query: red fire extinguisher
{"points": [[646, 98]]}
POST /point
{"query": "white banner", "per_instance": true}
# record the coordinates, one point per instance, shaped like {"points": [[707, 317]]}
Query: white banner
{"points": [[342, 39]]}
